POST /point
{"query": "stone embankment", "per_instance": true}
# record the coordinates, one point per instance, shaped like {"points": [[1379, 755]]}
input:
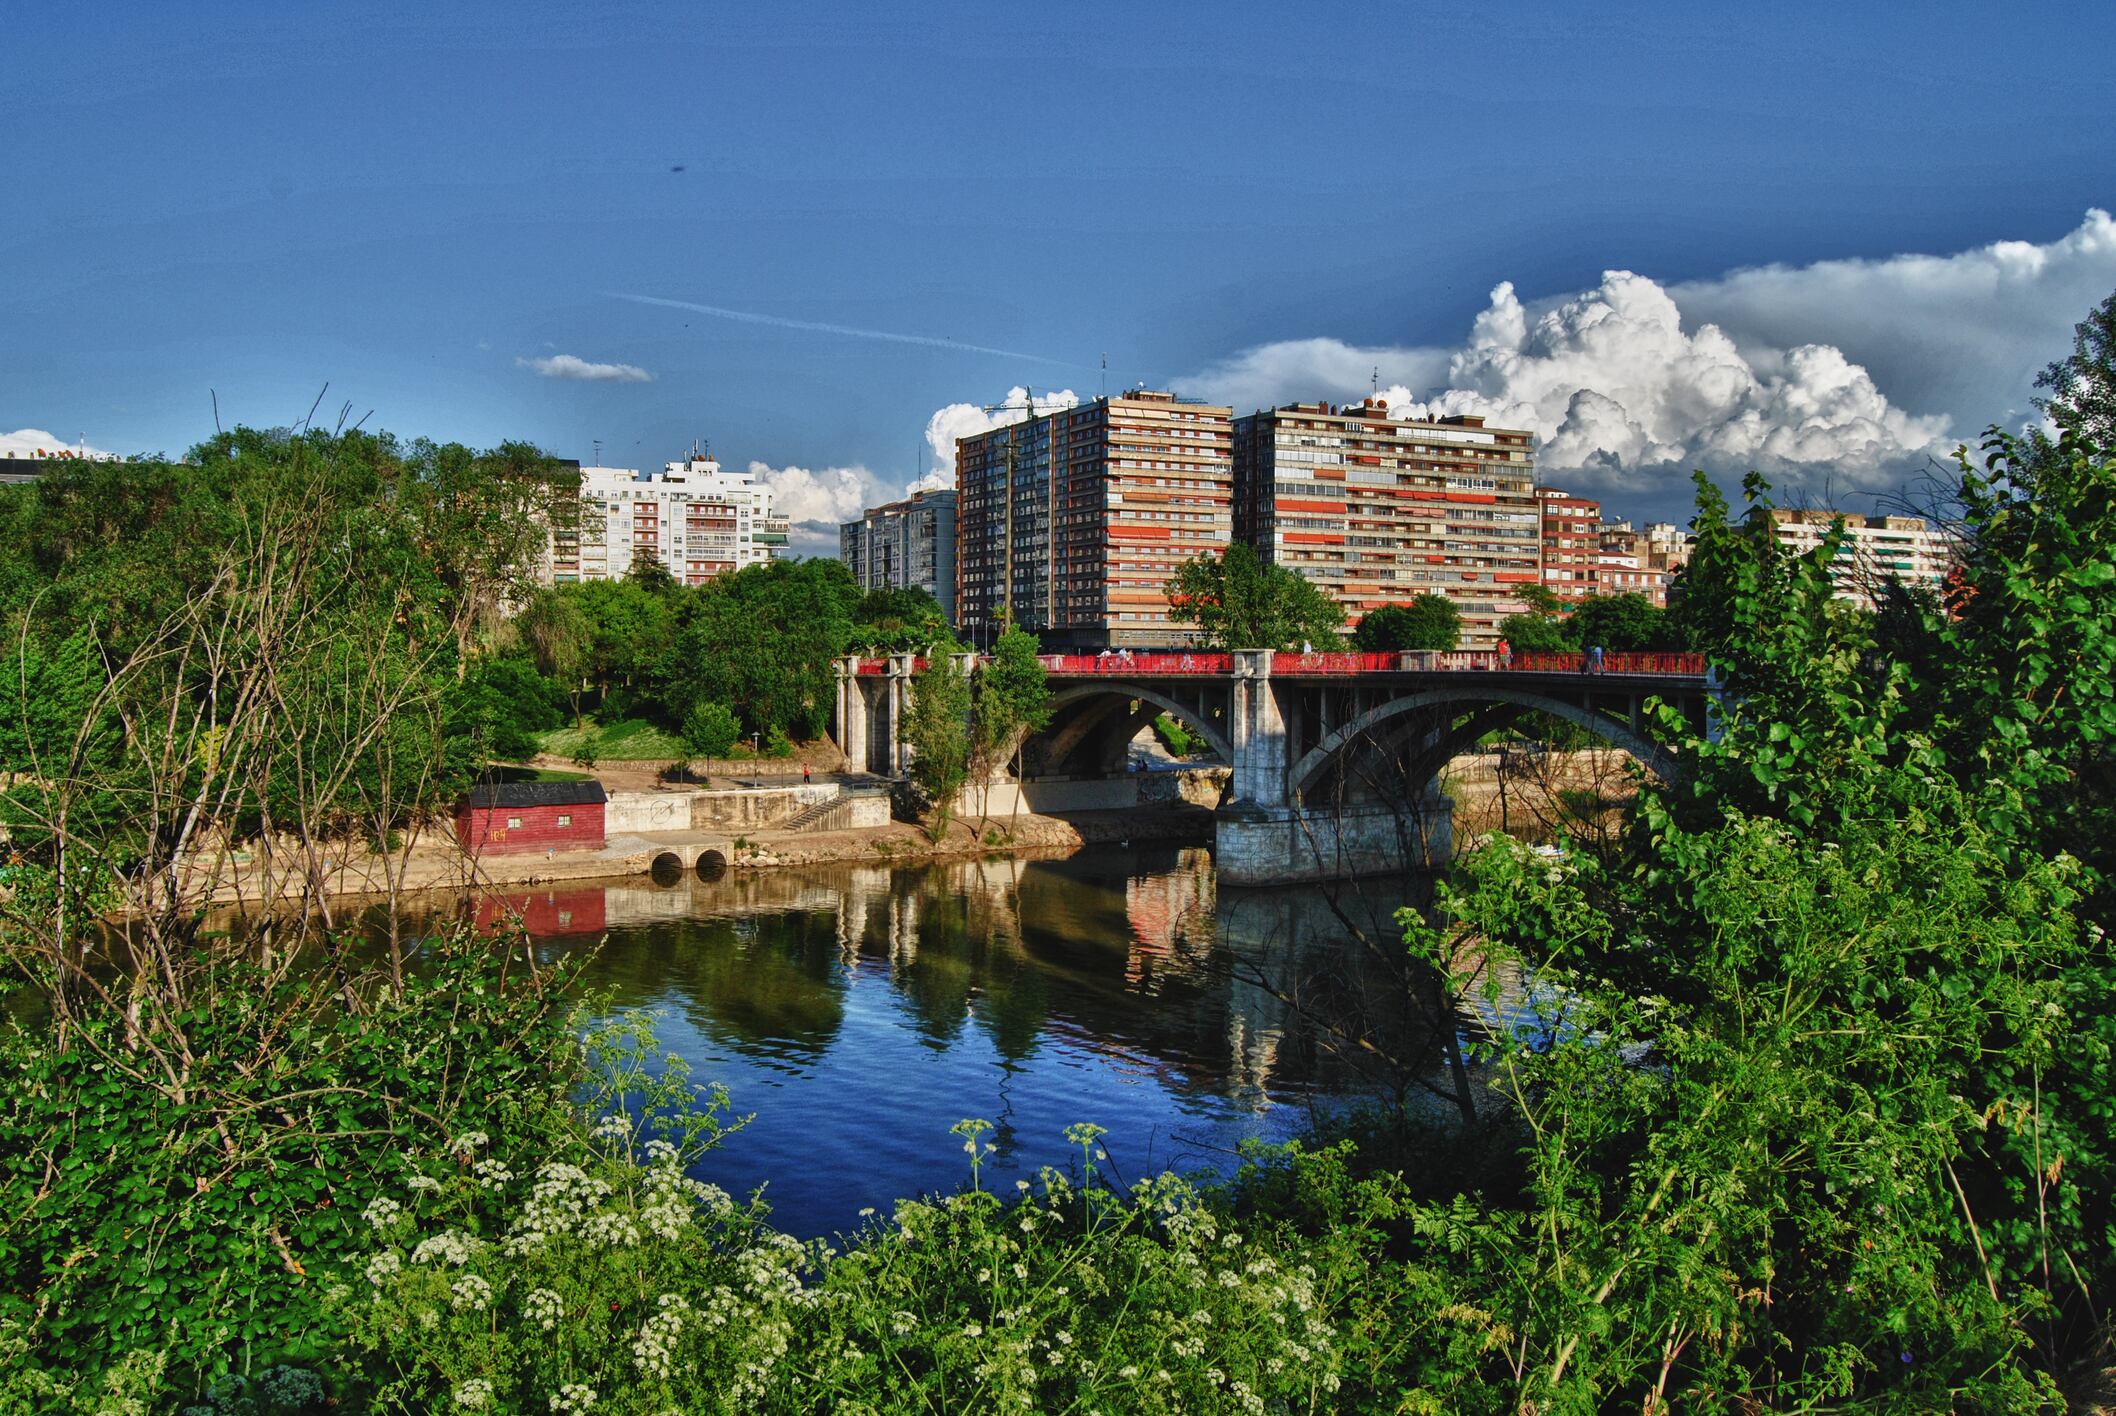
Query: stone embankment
{"points": [[745, 827]]}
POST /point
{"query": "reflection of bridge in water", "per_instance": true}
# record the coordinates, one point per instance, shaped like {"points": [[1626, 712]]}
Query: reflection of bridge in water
{"points": [[1334, 756], [1139, 959]]}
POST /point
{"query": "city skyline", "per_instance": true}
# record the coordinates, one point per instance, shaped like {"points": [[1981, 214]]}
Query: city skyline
{"points": [[806, 237]]}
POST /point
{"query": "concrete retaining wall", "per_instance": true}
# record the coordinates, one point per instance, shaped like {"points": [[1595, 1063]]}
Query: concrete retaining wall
{"points": [[758, 808], [629, 812]]}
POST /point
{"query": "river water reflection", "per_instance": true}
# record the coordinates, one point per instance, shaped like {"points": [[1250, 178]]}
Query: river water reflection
{"points": [[859, 1012]]}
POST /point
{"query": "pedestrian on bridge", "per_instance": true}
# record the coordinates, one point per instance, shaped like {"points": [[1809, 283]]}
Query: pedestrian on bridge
{"points": [[1506, 654]]}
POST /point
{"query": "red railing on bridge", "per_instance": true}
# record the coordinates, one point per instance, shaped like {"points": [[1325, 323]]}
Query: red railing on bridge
{"points": [[1124, 661], [1338, 664]]}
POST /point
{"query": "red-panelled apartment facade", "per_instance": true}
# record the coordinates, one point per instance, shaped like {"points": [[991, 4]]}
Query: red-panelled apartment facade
{"points": [[1380, 510], [1073, 522], [1572, 544], [513, 818]]}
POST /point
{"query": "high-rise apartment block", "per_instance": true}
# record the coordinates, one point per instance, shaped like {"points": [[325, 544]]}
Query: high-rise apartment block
{"points": [[1071, 523], [697, 519], [905, 545], [1379, 510], [1876, 550], [1572, 544]]}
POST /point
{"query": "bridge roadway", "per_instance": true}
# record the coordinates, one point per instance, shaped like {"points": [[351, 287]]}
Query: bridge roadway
{"points": [[1334, 755]]}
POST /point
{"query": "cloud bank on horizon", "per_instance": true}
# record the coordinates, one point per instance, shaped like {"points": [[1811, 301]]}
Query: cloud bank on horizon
{"points": [[1860, 370], [35, 442]]}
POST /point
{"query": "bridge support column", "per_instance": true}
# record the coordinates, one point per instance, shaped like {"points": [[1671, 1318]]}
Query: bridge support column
{"points": [[852, 715], [1258, 735], [1266, 836], [902, 667]]}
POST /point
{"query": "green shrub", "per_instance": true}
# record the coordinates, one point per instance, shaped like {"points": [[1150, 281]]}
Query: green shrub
{"points": [[198, 1221]]}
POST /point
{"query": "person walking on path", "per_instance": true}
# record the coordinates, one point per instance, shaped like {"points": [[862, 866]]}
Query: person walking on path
{"points": [[1594, 659], [1506, 655], [804, 774]]}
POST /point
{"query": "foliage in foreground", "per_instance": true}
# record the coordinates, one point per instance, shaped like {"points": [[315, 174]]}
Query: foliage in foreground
{"points": [[191, 1209], [625, 1287]]}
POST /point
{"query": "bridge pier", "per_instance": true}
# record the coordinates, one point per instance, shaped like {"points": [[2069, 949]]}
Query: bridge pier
{"points": [[1290, 844]]}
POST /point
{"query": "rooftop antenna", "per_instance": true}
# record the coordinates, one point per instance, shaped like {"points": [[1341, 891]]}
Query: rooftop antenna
{"points": [[598, 451], [1377, 378], [1103, 391]]}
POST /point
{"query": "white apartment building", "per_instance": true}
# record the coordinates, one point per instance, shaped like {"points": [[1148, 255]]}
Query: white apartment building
{"points": [[1876, 550], [695, 517]]}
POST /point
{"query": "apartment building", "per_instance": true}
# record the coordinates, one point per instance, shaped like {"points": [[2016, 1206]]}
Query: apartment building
{"points": [[1379, 510], [1876, 550], [1628, 565], [694, 517], [908, 544], [1572, 544], [1072, 522]]}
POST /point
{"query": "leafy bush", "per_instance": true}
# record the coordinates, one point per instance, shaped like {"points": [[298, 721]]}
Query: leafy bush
{"points": [[195, 1216]]}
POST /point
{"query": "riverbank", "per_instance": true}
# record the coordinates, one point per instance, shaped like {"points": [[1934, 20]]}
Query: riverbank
{"points": [[437, 863]]}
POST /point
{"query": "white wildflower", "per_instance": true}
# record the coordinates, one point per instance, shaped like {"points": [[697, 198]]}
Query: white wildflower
{"points": [[610, 1231], [424, 1183], [383, 1213], [383, 1265], [573, 1396], [470, 1141], [660, 1152], [474, 1394], [544, 1308], [472, 1294], [447, 1247], [614, 1127]]}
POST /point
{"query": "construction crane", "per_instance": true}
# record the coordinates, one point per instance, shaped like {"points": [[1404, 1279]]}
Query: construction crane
{"points": [[1050, 600]]}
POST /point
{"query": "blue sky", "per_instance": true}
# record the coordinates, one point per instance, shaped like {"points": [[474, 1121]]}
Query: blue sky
{"points": [[417, 203]]}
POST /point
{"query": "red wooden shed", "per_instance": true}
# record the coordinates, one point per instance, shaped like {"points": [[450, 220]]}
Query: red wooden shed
{"points": [[513, 818]]}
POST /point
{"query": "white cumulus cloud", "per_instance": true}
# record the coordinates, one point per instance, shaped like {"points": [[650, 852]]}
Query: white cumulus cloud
{"points": [[34, 442], [1858, 370], [815, 500], [567, 366], [963, 420]]}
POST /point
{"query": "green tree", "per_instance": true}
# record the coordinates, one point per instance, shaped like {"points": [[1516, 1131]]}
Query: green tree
{"points": [[1238, 602], [1536, 633], [898, 621], [1428, 622], [2082, 397], [710, 730], [937, 730], [649, 574], [1012, 701], [765, 641], [1619, 622]]}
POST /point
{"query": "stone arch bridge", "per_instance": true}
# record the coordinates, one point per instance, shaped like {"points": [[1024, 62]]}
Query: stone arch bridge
{"points": [[1334, 756]]}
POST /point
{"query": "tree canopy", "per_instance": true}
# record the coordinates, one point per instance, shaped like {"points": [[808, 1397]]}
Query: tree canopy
{"points": [[1428, 622], [1238, 602]]}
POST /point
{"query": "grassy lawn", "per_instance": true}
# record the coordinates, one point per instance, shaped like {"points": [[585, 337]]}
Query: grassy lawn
{"points": [[627, 740]]}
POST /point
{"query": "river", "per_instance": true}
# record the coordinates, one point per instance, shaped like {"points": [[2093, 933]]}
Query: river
{"points": [[857, 1012]]}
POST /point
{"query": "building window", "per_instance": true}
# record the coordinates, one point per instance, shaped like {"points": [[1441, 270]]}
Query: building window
{"points": [[565, 820], [514, 823]]}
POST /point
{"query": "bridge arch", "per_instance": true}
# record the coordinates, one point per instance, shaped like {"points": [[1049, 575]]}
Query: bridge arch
{"points": [[1062, 739], [1316, 761]]}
